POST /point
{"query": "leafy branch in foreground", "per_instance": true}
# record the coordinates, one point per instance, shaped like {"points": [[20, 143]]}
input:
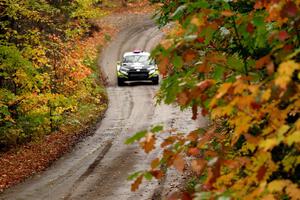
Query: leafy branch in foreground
{"points": [[239, 63]]}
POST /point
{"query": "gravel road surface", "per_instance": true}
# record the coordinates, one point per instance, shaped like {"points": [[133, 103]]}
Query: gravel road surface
{"points": [[97, 168]]}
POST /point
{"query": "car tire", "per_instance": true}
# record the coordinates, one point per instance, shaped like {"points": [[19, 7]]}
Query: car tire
{"points": [[155, 81], [120, 82]]}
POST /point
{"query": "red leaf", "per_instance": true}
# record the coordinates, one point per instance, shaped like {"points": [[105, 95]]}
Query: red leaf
{"points": [[201, 39], [204, 112], [261, 173], [283, 35], [250, 28], [255, 106], [289, 10]]}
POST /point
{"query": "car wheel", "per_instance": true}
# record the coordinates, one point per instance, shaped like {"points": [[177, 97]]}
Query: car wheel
{"points": [[155, 81], [120, 82]]}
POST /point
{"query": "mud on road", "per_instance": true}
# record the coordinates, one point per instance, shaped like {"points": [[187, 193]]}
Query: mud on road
{"points": [[98, 167]]}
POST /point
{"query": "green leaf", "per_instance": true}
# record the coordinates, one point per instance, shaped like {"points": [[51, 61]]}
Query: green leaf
{"points": [[201, 4], [133, 176], [177, 61], [235, 63], [258, 21], [148, 176], [136, 137], [157, 129], [218, 73], [4, 110]]}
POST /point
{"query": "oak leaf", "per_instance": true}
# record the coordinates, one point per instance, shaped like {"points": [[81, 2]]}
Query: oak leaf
{"points": [[149, 143]]}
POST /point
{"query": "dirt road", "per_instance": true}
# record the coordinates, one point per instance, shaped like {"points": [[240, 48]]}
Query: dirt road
{"points": [[98, 167]]}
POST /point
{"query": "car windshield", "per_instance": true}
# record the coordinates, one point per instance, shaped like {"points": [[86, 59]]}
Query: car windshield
{"points": [[137, 59]]}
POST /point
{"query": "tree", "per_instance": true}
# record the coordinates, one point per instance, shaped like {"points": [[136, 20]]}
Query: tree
{"points": [[237, 62]]}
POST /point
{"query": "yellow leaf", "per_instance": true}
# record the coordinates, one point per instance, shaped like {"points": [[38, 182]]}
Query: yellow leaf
{"points": [[269, 197], [278, 185], [223, 89], [266, 95], [166, 44], [285, 72], [197, 21], [268, 143], [293, 138]]}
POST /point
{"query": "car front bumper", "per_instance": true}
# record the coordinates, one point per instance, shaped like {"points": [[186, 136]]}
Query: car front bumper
{"points": [[136, 76]]}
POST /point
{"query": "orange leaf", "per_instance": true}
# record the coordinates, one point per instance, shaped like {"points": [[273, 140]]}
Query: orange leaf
{"points": [[231, 163], [189, 55], [198, 166], [227, 13], [193, 136], [293, 191], [263, 61], [136, 184], [223, 90], [251, 139], [168, 141], [163, 63], [194, 151], [179, 163], [158, 174], [179, 196], [155, 163], [183, 98], [149, 143]]}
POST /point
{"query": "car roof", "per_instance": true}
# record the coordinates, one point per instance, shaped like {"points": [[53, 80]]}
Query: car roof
{"points": [[142, 53]]}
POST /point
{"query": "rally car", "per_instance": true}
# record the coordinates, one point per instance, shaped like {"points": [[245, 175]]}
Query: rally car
{"points": [[137, 66]]}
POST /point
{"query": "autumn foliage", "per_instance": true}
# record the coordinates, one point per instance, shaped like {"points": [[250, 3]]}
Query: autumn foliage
{"points": [[47, 77], [238, 63]]}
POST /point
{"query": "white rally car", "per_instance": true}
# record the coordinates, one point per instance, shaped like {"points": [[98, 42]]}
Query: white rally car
{"points": [[137, 66]]}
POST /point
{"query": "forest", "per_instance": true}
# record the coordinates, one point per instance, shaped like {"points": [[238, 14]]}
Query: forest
{"points": [[45, 80]]}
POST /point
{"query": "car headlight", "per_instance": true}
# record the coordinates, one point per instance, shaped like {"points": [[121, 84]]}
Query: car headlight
{"points": [[152, 71], [151, 68], [123, 71]]}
